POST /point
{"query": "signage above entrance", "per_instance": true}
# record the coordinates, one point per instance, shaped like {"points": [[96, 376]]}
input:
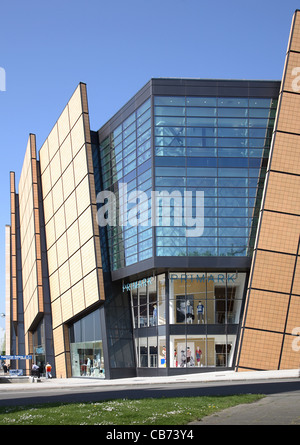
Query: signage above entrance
{"points": [[202, 278], [137, 284], [15, 357]]}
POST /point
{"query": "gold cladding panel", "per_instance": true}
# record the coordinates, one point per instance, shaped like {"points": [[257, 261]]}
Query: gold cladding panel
{"points": [[293, 321], [55, 168], [85, 226], [68, 181], [267, 310], [56, 313], [75, 106], [75, 268], [80, 165], [66, 306], [71, 209], [261, 349], [62, 249], [273, 271], [64, 277], [63, 125], [83, 195], [285, 157], [88, 257], [295, 42], [291, 83], [296, 282], [73, 238], [53, 143], [78, 297], [91, 288], [57, 195], [66, 154], [44, 156], [282, 193], [60, 222], [46, 181], [279, 232], [77, 135], [289, 113], [290, 353]]}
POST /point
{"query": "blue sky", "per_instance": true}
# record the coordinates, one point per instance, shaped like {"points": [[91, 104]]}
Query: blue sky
{"points": [[115, 47]]}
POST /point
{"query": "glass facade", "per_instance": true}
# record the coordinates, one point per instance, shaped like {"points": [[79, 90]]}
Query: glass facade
{"points": [[39, 346], [199, 162], [87, 358], [126, 158], [203, 311], [221, 147]]}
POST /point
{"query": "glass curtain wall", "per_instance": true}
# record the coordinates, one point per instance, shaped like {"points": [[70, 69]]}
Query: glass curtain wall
{"points": [[200, 308], [39, 350], [219, 146], [126, 159], [208, 301], [87, 357]]}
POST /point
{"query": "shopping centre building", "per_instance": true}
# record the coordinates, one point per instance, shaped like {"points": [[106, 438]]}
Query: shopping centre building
{"points": [[166, 242]]}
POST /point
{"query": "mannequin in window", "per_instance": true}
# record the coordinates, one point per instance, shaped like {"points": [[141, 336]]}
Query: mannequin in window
{"points": [[200, 312], [154, 315], [189, 312]]}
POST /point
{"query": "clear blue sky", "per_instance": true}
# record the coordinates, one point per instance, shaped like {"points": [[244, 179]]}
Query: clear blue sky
{"points": [[116, 46]]}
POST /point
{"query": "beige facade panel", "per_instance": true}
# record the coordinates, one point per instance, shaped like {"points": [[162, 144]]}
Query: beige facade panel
{"points": [[295, 33], [80, 165], [53, 144], [30, 237], [68, 181], [280, 161], [290, 358], [60, 366], [75, 268], [69, 195], [291, 83], [279, 232], [272, 311], [76, 107], [91, 288], [66, 153], [78, 136], [260, 350], [8, 296], [78, 297], [56, 313], [67, 306], [296, 281], [282, 193], [63, 125], [273, 271], [267, 310], [293, 319], [73, 238], [59, 343]]}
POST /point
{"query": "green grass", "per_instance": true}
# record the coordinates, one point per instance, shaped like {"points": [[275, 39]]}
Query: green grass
{"points": [[162, 411]]}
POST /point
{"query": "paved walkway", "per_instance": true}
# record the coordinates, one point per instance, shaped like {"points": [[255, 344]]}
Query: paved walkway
{"points": [[277, 409], [226, 376], [274, 409]]}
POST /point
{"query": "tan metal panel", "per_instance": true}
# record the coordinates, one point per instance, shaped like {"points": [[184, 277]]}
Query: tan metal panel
{"points": [[271, 308]]}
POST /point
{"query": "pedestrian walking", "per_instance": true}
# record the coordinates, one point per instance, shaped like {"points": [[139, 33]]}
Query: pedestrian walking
{"points": [[35, 371], [48, 371]]}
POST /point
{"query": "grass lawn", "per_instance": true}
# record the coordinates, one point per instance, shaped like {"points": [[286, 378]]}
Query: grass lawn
{"points": [[163, 411]]}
